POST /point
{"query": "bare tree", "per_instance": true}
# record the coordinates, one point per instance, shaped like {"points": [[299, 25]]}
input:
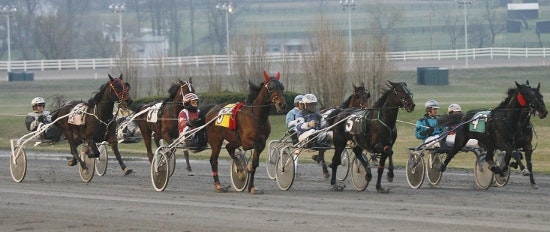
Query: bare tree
{"points": [[495, 16], [453, 25]]}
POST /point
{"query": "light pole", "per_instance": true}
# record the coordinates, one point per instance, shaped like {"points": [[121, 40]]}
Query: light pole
{"points": [[228, 9], [348, 5], [464, 4], [119, 9], [7, 11]]}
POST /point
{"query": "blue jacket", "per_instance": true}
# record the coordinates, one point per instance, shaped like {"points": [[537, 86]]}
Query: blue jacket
{"points": [[292, 115], [310, 116], [423, 123]]}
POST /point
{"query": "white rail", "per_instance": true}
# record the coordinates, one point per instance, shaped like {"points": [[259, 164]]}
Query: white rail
{"points": [[102, 63]]}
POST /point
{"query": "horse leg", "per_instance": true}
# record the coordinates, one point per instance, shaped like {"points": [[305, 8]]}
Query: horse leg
{"points": [[326, 174], [114, 147], [336, 160], [489, 159], [528, 161], [76, 158], [146, 134], [387, 152], [189, 170], [359, 155], [252, 171], [216, 147], [390, 168]]}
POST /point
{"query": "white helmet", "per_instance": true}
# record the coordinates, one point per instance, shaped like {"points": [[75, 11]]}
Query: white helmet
{"points": [[38, 101], [431, 104], [454, 108], [309, 98], [298, 99], [190, 97]]}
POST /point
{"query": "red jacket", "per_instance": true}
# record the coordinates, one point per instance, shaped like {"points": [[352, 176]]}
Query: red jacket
{"points": [[185, 116]]}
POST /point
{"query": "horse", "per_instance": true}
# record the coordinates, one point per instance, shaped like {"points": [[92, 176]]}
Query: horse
{"points": [[167, 125], [359, 99], [503, 126], [375, 130], [252, 127], [99, 122]]}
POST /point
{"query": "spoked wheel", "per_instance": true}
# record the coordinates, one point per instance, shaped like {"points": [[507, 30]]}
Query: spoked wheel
{"points": [[102, 160], [18, 164], [501, 179], [159, 171], [170, 154], [285, 169], [86, 175], [359, 178], [271, 159], [432, 168], [483, 175], [239, 179], [415, 169], [343, 169]]}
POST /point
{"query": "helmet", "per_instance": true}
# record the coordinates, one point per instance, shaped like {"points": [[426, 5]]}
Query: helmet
{"points": [[309, 98], [38, 101], [190, 96], [298, 99], [431, 104], [454, 108]]}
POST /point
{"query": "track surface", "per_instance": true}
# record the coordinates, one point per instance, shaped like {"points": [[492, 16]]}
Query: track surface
{"points": [[53, 198]]}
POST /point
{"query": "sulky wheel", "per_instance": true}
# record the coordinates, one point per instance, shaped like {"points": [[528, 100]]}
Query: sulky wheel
{"points": [[415, 169], [285, 169], [359, 175], [18, 164], [87, 174], [239, 171], [170, 154], [159, 171], [483, 175], [432, 168], [501, 179], [271, 159], [343, 169], [102, 160]]}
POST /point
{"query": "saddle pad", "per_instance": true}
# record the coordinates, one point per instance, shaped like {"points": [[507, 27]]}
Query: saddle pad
{"points": [[478, 125], [228, 115], [153, 113], [354, 122], [77, 116]]}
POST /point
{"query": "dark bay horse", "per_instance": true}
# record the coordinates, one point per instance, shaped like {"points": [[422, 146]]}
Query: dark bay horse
{"points": [[503, 126], [166, 126], [359, 99], [100, 124], [375, 130], [252, 127]]}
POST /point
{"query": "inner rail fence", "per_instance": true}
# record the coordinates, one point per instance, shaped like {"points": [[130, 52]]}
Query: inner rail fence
{"points": [[215, 60]]}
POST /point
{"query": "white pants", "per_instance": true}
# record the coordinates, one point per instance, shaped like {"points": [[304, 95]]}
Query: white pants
{"points": [[472, 143]]}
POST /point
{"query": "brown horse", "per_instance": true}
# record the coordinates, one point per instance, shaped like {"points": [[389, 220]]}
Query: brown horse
{"points": [[99, 124], [166, 126], [359, 99], [252, 127]]}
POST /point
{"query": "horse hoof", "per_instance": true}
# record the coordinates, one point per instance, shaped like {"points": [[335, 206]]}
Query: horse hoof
{"points": [[442, 167], [255, 191], [326, 174], [241, 176], [514, 165], [85, 171], [382, 190], [190, 172], [72, 162], [534, 186], [219, 188], [337, 188], [525, 172], [127, 171], [496, 170]]}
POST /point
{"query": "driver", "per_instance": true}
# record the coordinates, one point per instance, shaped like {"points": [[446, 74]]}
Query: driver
{"points": [[39, 117], [312, 123]]}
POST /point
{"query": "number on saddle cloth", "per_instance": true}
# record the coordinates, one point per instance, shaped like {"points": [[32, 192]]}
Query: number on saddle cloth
{"points": [[154, 111], [480, 121], [227, 117], [77, 116], [355, 122]]}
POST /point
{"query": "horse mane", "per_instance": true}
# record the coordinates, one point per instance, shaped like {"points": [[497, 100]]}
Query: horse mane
{"points": [[380, 102], [173, 91], [449, 119], [346, 102], [504, 102], [253, 91], [98, 95]]}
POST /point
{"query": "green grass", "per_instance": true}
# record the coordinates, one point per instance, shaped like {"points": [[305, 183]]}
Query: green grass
{"points": [[473, 88]]}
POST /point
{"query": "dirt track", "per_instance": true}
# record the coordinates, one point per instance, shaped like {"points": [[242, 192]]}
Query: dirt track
{"points": [[53, 198]]}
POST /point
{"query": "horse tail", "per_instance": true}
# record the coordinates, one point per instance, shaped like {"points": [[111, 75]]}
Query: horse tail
{"points": [[332, 116]]}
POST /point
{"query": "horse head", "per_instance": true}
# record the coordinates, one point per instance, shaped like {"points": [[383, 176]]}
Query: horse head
{"points": [[119, 91], [531, 97], [404, 95], [360, 95], [184, 87], [275, 90]]}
